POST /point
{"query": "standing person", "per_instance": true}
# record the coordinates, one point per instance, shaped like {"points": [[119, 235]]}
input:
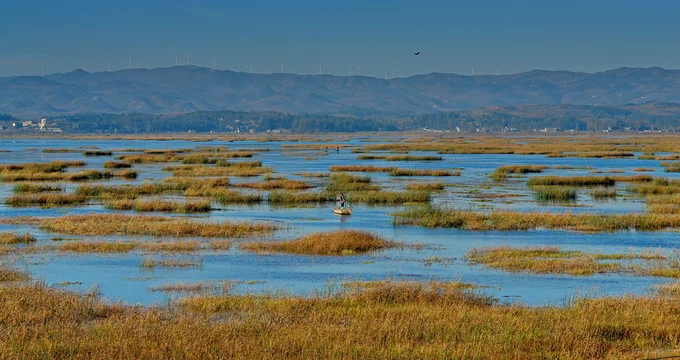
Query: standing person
{"points": [[342, 200]]}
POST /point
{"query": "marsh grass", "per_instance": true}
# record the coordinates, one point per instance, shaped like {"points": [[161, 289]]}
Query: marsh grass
{"points": [[12, 238], [603, 194], [426, 187], [511, 220], [223, 287], [399, 158], [97, 153], [54, 176], [131, 191], [276, 184], [554, 193], [11, 275], [571, 181], [342, 242], [116, 165], [117, 224], [44, 199], [346, 182], [503, 172], [375, 320], [643, 169], [150, 205], [312, 175], [423, 172], [171, 262], [360, 168], [36, 188], [552, 260], [241, 169]]}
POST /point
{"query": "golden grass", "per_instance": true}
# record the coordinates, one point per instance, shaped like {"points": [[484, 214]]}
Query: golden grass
{"points": [[222, 287], [116, 165], [571, 181], [53, 166], [342, 242], [97, 153], [360, 168], [96, 247], [643, 169], [423, 172], [130, 191], [313, 175], [346, 182], [116, 224], [670, 289], [242, 169], [11, 238], [553, 193], [376, 320], [283, 197], [599, 194], [9, 275], [276, 184], [399, 158], [192, 206], [171, 262], [54, 176], [502, 171], [425, 187], [512, 220], [44, 199], [35, 188]]}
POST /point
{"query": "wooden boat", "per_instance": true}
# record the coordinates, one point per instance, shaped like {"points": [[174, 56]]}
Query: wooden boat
{"points": [[345, 211]]}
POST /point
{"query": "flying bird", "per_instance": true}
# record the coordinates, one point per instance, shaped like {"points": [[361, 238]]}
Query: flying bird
{"points": [[416, 53]]}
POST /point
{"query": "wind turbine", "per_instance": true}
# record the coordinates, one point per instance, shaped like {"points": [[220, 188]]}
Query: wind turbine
{"points": [[214, 64], [320, 69], [130, 62], [176, 60], [188, 59], [282, 68], [350, 70], [252, 64]]}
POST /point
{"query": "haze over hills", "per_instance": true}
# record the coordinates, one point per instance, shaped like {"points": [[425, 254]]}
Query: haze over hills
{"points": [[188, 88]]}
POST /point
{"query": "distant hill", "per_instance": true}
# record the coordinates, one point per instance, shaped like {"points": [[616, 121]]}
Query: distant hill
{"points": [[182, 89], [640, 117]]}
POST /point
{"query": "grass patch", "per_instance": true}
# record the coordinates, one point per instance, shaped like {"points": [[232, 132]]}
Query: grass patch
{"points": [[130, 191], [35, 188], [173, 263], [11, 238], [553, 193], [360, 168], [276, 184], [603, 194], [423, 172], [571, 181], [343, 242], [44, 199], [194, 206], [116, 224], [425, 187], [116, 165], [512, 220], [503, 172], [399, 158], [97, 153]]}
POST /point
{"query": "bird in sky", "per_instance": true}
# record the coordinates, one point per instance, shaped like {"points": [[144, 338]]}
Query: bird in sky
{"points": [[416, 53]]}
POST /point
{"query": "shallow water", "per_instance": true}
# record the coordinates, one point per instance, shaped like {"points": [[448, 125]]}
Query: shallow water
{"points": [[120, 277]]}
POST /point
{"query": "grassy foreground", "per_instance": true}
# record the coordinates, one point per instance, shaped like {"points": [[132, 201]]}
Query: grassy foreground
{"points": [[383, 320]]}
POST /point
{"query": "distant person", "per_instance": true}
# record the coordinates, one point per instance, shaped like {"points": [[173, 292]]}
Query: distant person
{"points": [[337, 150], [342, 200]]}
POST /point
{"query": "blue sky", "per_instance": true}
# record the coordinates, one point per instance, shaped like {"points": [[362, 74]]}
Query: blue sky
{"points": [[373, 36]]}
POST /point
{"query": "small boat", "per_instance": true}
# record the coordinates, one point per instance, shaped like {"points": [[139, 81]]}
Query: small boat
{"points": [[340, 211]]}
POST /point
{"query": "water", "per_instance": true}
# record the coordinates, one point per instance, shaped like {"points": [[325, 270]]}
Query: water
{"points": [[121, 278]]}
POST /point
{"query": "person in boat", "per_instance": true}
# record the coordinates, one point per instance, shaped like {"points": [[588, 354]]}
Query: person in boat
{"points": [[342, 200]]}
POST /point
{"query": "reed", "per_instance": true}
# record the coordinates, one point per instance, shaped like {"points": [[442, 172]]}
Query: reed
{"points": [[399, 158], [389, 197], [242, 169], [53, 166], [503, 171], [663, 208], [388, 319], [276, 184], [44, 199], [215, 288], [97, 153], [60, 150], [602, 194], [54, 176], [571, 181], [553, 193], [552, 260], [342, 242], [10, 275], [96, 247], [116, 165], [360, 168], [130, 191], [147, 205], [423, 172], [116, 224], [171, 246], [346, 182], [510, 220], [12, 238], [171, 262], [282, 197], [671, 167], [35, 188], [425, 187], [643, 169], [313, 175]]}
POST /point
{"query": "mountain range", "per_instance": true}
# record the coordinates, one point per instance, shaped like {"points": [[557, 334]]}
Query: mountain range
{"points": [[181, 89]]}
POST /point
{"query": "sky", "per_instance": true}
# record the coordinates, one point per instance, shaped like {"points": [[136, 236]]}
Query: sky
{"points": [[374, 37]]}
